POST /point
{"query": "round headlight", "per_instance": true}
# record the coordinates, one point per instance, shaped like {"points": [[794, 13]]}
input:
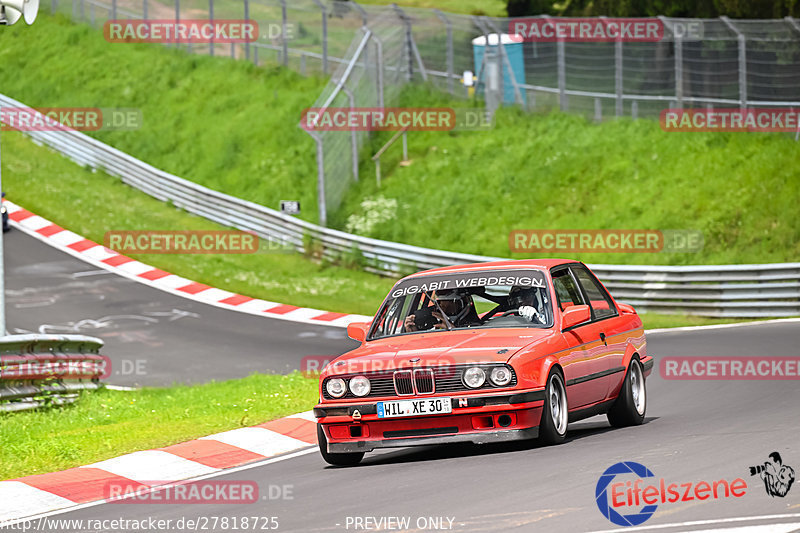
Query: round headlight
{"points": [[359, 386], [474, 377], [500, 376], [336, 387]]}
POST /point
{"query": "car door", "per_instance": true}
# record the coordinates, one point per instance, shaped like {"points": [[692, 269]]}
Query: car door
{"points": [[607, 346], [582, 361]]}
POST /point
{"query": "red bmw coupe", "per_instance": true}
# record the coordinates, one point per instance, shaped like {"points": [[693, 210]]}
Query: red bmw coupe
{"points": [[480, 353]]}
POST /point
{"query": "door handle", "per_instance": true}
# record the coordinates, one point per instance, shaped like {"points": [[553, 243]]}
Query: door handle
{"points": [[603, 338]]}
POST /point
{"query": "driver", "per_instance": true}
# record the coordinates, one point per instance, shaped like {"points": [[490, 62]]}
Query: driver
{"points": [[456, 304], [524, 300]]}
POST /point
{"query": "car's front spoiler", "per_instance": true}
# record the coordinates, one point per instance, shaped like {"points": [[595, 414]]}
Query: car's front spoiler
{"points": [[483, 437]]}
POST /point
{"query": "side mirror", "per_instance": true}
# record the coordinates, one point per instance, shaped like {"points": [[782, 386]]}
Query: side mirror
{"points": [[626, 309], [358, 330], [574, 315]]}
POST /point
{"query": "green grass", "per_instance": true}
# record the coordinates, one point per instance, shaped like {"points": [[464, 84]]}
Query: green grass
{"points": [[91, 204], [233, 127], [106, 423], [466, 191], [221, 123]]}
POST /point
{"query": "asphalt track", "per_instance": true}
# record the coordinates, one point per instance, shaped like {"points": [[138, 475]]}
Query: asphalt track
{"points": [[152, 337], [695, 430]]}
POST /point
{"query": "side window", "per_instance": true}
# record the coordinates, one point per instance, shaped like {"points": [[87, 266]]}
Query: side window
{"points": [[566, 290], [599, 300]]}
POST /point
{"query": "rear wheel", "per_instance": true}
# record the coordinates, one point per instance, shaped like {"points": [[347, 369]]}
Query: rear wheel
{"points": [[336, 459], [631, 404], [553, 427]]}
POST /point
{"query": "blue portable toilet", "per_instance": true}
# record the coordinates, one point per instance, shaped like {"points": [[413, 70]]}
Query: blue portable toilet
{"points": [[513, 48]]}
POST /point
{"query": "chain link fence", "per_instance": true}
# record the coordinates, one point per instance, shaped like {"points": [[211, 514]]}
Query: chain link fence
{"points": [[372, 51]]}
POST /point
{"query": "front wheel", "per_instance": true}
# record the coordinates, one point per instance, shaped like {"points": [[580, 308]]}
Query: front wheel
{"points": [[553, 427], [336, 459], [631, 404]]}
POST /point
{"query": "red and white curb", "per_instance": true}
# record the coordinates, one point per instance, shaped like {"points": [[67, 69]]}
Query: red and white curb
{"points": [[102, 257], [34, 495]]}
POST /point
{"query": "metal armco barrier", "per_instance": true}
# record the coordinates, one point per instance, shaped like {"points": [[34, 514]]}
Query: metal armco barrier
{"points": [[37, 370], [769, 290]]}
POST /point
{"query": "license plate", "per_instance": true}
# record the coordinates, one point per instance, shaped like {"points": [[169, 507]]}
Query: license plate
{"points": [[426, 406]]}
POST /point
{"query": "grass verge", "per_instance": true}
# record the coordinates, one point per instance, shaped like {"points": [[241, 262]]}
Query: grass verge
{"points": [[107, 423], [92, 203]]}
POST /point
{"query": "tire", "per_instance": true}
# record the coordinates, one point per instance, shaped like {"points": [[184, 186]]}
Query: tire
{"points": [[336, 459], [555, 414], [631, 404]]}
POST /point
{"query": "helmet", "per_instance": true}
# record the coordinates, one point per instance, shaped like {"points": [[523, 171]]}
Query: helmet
{"points": [[456, 303], [520, 295]]}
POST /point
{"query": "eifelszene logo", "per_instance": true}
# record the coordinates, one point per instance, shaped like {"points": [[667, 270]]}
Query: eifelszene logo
{"points": [[777, 477], [622, 488]]}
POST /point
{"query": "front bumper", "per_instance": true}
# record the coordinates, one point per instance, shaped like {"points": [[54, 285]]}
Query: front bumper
{"points": [[476, 419]]}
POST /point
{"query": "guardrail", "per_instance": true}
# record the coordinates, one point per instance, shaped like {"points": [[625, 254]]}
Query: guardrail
{"points": [[769, 290], [38, 370]]}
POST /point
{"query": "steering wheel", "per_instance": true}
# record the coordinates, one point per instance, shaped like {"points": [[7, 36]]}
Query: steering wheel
{"points": [[510, 312]]}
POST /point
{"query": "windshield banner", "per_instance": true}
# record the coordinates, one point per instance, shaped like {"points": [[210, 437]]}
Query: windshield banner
{"points": [[466, 280]]}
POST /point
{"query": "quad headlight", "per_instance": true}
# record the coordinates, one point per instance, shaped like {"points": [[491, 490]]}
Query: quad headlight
{"points": [[474, 377], [359, 386], [500, 376], [336, 387]]}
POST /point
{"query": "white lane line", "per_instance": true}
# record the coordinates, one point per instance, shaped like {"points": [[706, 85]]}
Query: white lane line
{"points": [[154, 489], [702, 523]]}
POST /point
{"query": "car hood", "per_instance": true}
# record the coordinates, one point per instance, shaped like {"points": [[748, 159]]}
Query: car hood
{"points": [[440, 348]]}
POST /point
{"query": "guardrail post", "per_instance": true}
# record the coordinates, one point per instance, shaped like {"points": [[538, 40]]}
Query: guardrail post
{"points": [[144, 9], [742, 61], [324, 35], [247, 17], [113, 9], [53, 6], [449, 28], [284, 33]]}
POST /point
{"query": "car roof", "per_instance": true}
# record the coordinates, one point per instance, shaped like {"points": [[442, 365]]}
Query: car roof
{"points": [[537, 264]]}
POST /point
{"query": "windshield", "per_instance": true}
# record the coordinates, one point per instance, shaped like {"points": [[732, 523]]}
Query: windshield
{"points": [[485, 299]]}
